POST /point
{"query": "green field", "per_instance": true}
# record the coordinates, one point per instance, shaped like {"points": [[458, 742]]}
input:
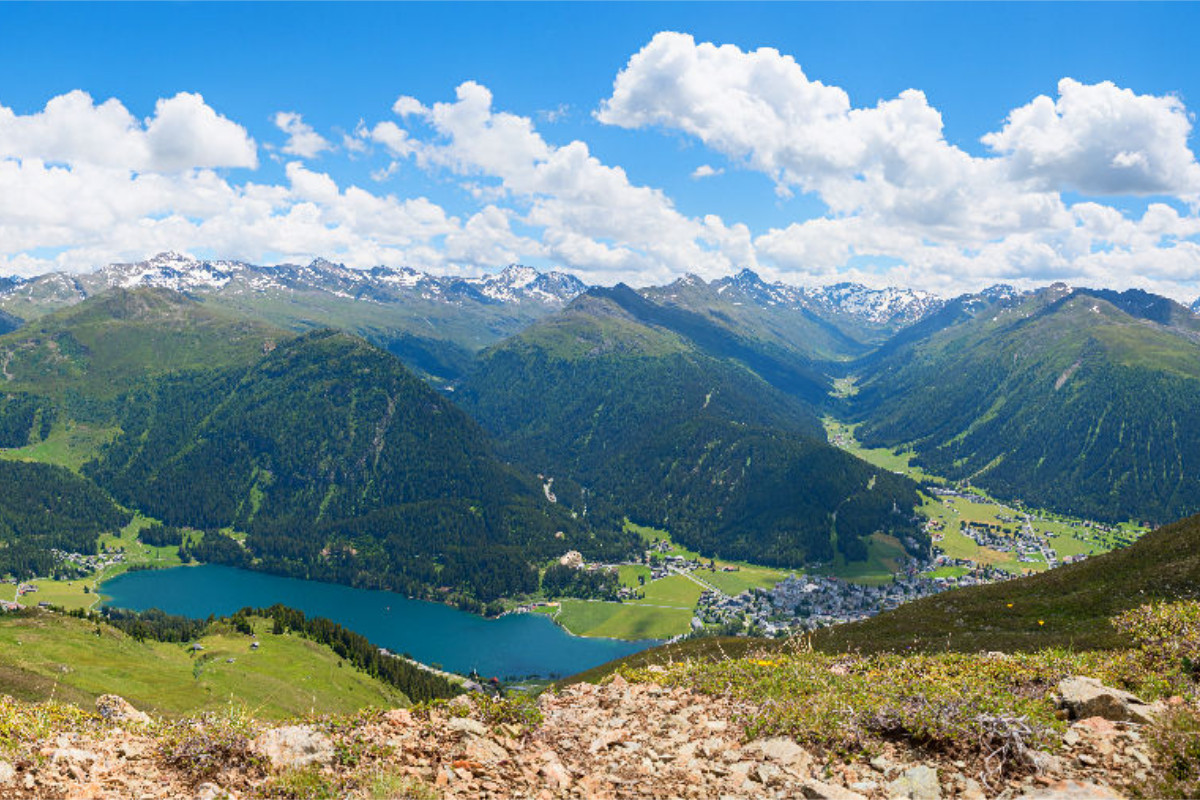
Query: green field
{"points": [[679, 591], [652, 535], [842, 435], [947, 572], [883, 556], [55, 655], [629, 574], [623, 620], [69, 445], [748, 576]]}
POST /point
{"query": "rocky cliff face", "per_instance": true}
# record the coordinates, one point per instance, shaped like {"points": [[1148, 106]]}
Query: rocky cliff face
{"points": [[619, 740]]}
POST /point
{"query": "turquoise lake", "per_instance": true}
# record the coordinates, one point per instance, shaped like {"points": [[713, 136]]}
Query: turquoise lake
{"points": [[515, 646]]}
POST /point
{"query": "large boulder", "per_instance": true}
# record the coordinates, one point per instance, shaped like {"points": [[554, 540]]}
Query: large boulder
{"points": [[782, 751], [1088, 697], [294, 746]]}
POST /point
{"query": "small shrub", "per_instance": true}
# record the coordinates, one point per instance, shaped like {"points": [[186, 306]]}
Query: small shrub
{"points": [[1175, 751], [1167, 636], [516, 709], [308, 783], [390, 784], [202, 747]]}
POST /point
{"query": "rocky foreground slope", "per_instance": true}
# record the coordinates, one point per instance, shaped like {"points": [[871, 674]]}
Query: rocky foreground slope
{"points": [[618, 740]]}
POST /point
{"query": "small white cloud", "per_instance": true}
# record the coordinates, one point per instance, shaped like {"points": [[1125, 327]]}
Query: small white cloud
{"points": [[302, 140], [391, 136], [407, 106], [556, 114], [381, 175], [705, 171]]}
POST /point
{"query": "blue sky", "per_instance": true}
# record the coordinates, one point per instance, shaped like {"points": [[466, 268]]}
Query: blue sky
{"points": [[824, 161]]}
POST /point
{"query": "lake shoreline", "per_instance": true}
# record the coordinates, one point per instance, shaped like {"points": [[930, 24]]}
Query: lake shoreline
{"points": [[435, 634]]}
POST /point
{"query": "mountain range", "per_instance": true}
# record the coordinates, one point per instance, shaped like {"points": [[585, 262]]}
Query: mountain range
{"points": [[286, 403], [435, 323]]}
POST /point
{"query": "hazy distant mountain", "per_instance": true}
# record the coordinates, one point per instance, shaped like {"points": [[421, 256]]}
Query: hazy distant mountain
{"points": [[828, 322], [432, 322]]}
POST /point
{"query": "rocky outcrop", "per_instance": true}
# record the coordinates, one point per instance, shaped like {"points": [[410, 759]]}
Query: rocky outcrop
{"points": [[1088, 697]]}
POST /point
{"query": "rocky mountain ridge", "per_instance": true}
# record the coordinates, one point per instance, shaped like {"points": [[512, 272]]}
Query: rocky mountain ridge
{"points": [[889, 306], [170, 270]]}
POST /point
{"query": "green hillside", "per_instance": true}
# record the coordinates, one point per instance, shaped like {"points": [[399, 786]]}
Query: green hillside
{"points": [[658, 428], [115, 340], [1068, 606], [46, 655], [1080, 401]]}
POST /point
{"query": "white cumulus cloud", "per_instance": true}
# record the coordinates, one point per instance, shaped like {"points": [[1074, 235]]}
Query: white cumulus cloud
{"points": [[898, 193], [1101, 139], [184, 133]]}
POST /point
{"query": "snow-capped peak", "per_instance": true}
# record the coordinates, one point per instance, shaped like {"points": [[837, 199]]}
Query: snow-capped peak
{"points": [[880, 306], [517, 282], [517, 275]]}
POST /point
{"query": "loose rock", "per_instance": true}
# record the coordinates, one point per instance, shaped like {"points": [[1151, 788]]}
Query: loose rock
{"points": [[115, 708], [814, 789], [918, 783], [294, 746]]}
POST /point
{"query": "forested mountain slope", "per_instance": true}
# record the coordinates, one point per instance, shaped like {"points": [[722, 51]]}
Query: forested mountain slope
{"points": [[1080, 400], [44, 507], [342, 465], [659, 427]]}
